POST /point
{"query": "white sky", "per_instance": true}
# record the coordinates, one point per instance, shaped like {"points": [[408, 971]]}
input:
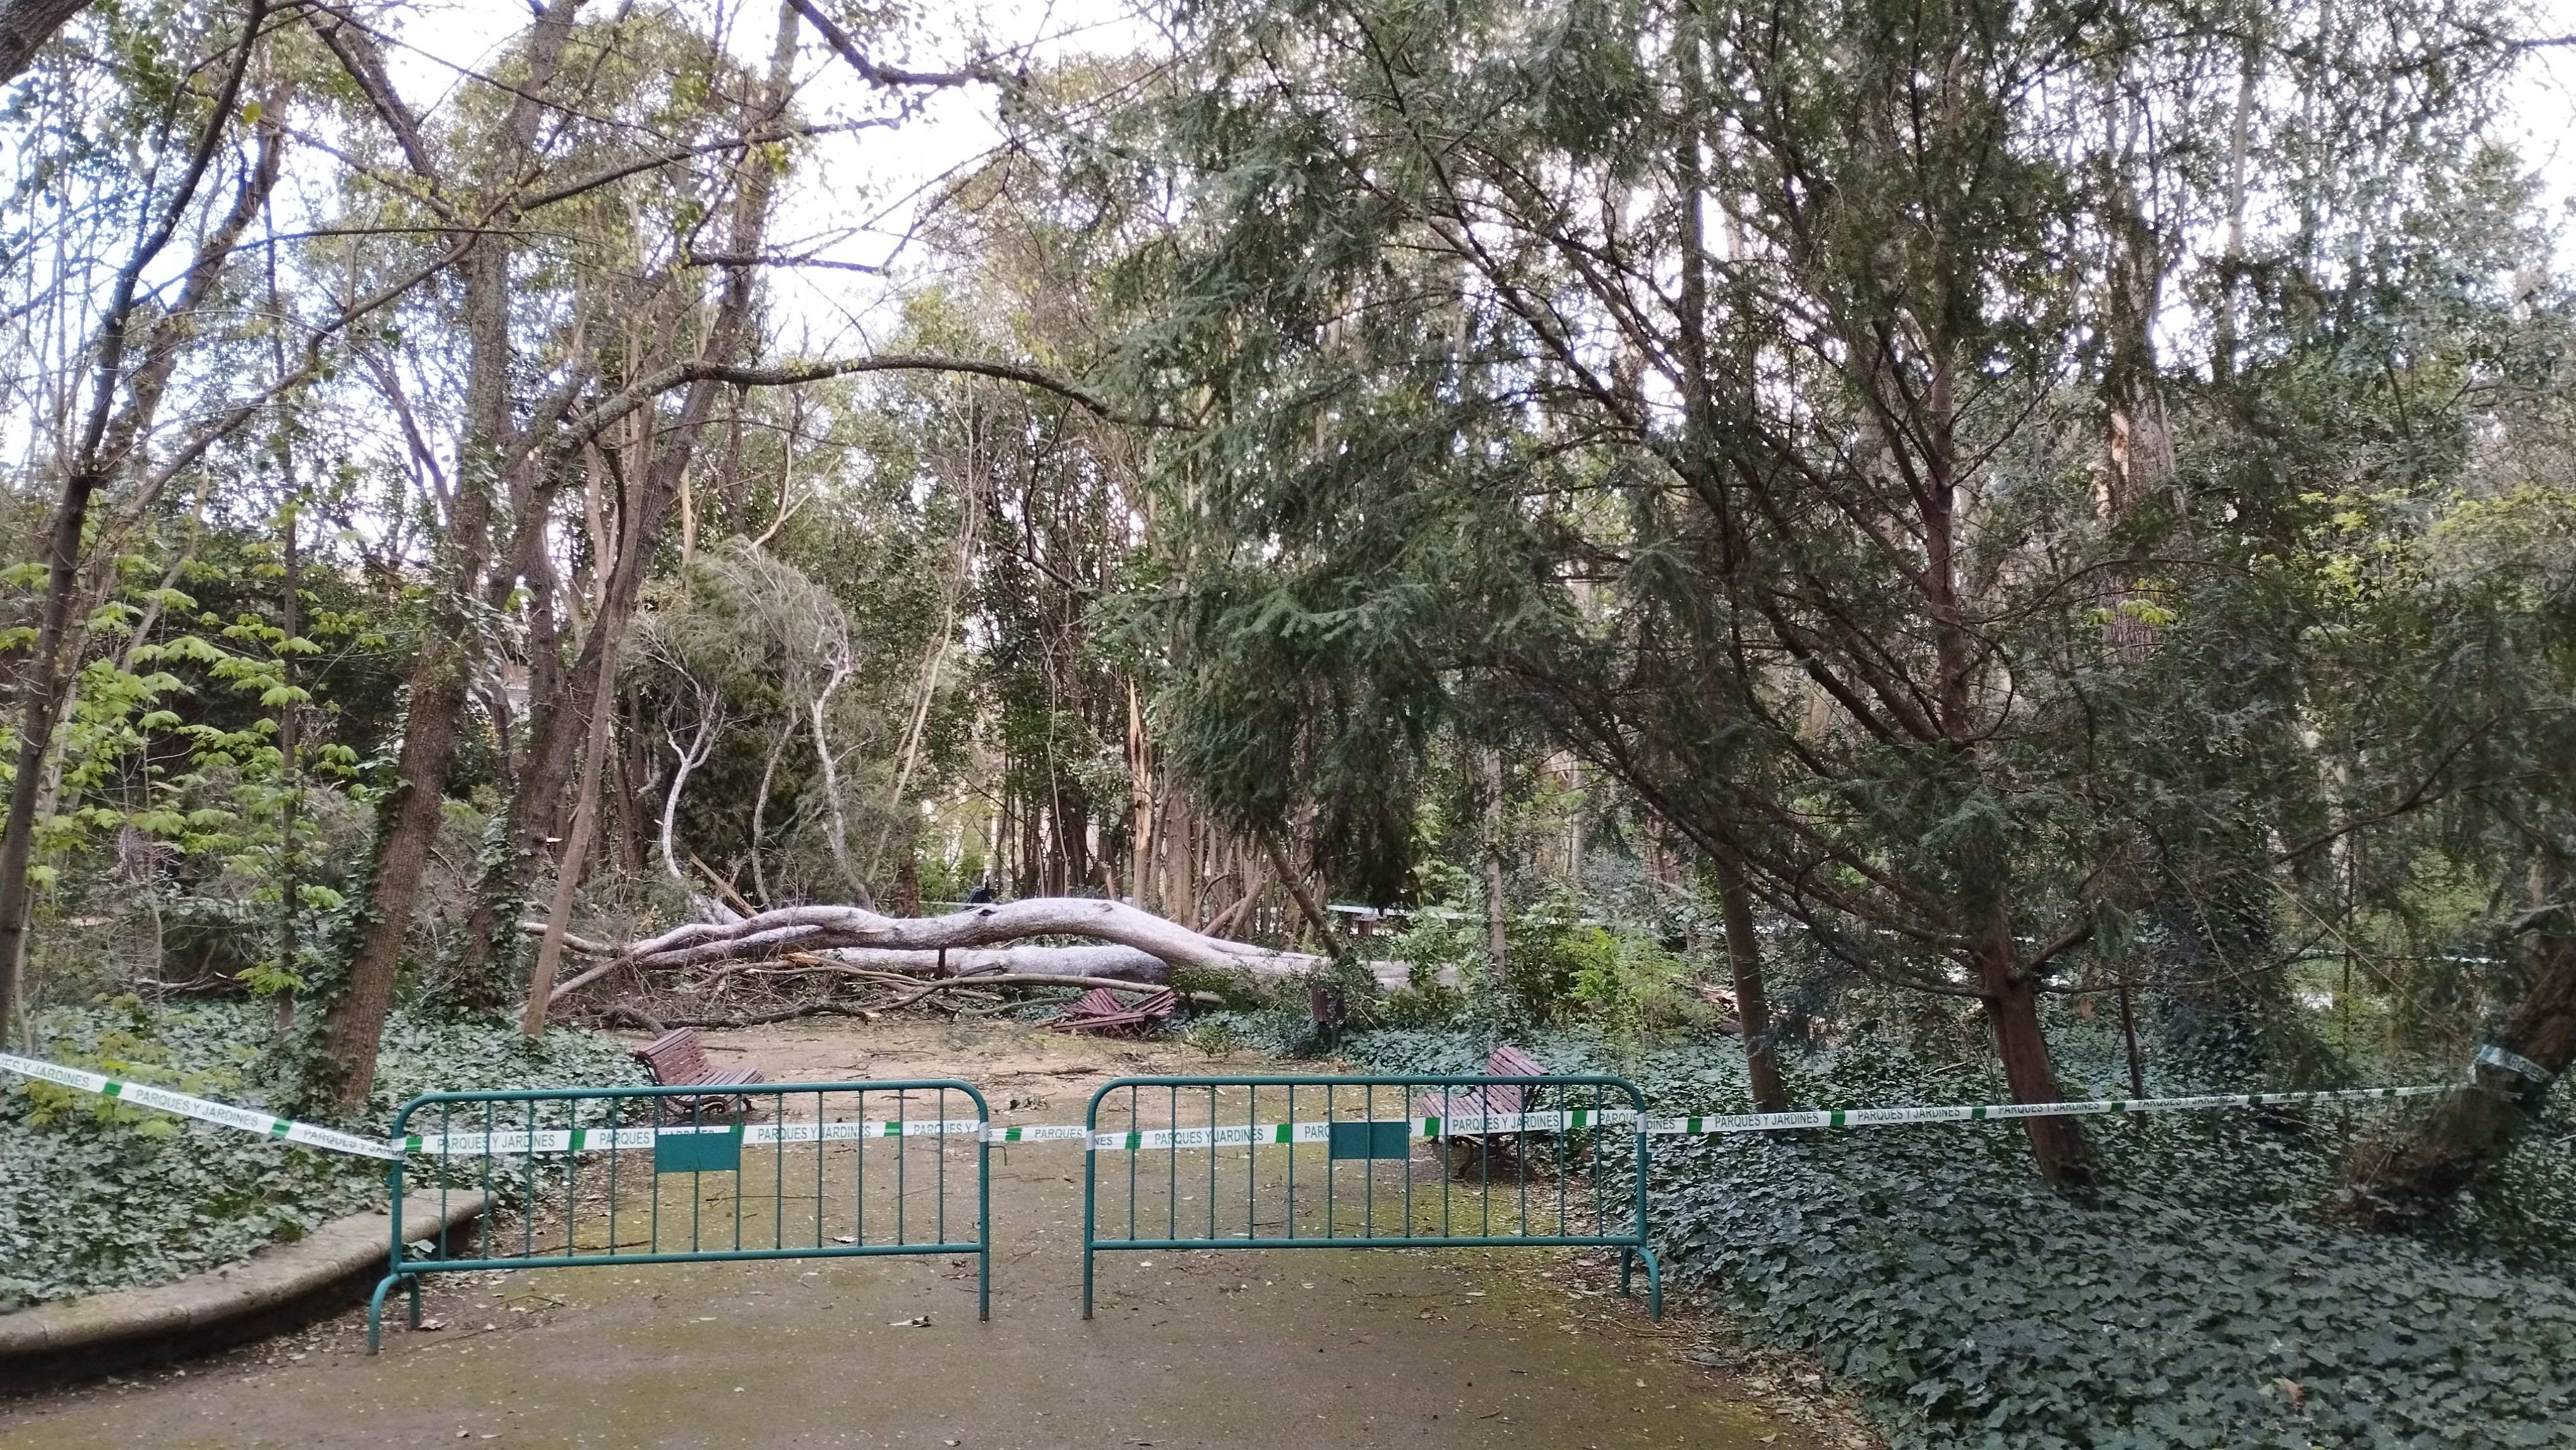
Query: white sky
{"points": [[855, 195], [861, 190]]}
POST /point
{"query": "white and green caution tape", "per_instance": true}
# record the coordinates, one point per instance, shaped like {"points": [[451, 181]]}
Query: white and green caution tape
{"points": [[2004, 1112], [610, 1140], [1034, 1133], [1240, 1135], [144, 1095], [1469, 1125], [1261, 1134], [1245, 1135], [2490, 1055]]}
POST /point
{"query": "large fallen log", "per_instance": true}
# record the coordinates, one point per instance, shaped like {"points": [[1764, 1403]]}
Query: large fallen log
{"points": [[839, 930], [625, 1015], [1125, 963]]}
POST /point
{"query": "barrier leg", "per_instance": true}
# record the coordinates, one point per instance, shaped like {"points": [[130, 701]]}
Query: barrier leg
{"points": [[1627, 1267], [376, 1311], [1654, 1284]]}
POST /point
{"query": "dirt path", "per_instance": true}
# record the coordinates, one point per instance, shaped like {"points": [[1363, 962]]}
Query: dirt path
{"points": [[1317, 1348]]}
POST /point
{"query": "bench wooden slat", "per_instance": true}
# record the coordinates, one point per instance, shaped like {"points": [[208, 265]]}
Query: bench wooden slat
{"points": [[675, 1059], [1492, 1099]]}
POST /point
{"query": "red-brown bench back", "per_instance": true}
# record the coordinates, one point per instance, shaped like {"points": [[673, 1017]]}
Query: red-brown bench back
{"points": [[676, 1059]]}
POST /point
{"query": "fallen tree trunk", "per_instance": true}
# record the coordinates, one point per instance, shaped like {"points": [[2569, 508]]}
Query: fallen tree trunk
{"points": [[1125, 963], [871, 1010], [837, 929], [850, 926]]}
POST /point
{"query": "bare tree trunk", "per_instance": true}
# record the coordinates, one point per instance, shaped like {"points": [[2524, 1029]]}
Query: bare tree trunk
{"points": [[2222, 329], [836, 823], [2138, 447], [535, 814], [289, 718], [702, 743], [1752, 1007], [1140, 801], [576, 854], [407, 819], [25, 26], [930, 671], [1574, 829], [1489, 764], [760, 809]]}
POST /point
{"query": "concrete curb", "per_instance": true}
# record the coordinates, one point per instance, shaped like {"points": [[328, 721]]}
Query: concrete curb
{"points": [[280, 1287]]}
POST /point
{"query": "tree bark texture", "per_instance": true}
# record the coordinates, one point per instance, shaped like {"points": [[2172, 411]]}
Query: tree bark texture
{"points": [[1752, 1008], [535, 814], [825, 929], [407, 820], [25, 26], [1489, 768]]}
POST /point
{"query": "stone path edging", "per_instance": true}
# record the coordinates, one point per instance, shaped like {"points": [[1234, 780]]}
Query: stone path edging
{"points": [[278, 1287]]}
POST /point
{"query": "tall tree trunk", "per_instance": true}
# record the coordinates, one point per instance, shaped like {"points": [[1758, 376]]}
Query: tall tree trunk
{"points": [[1752, 1007], [836, 821], [599, 740], [2138, 444], [2231, 263], [1984, 894], [1489, 774], [1140, 804], [535, 813], [760, 811], [2021, 1046], [289, 745], [2471, 1131], [692, 755], [408, 817]]}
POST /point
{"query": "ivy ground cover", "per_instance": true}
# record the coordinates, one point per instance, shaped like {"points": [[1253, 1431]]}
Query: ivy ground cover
{"points": [[96, 1195], [2199, 1296]]}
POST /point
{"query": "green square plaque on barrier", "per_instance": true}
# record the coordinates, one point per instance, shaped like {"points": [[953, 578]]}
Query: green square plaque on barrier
{"points": [[702, 1150], [1370, 1140]]}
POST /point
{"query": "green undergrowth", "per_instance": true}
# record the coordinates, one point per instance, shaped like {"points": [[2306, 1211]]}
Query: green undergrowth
{"points": [[97, 1195], [2196, 1297]]}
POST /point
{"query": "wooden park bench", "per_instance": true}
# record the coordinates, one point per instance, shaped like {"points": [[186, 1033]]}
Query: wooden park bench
{"points": [[1491, 1100], [1099, 1010], [676, 1060]]}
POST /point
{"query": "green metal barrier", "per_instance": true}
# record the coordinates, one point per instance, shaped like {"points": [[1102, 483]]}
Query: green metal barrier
{"points": [[664, 1175], [1314, 1162]]}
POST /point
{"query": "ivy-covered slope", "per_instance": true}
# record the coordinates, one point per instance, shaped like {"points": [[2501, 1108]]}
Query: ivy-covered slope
{"points": [[96, 1195], [2196, 1299]]}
